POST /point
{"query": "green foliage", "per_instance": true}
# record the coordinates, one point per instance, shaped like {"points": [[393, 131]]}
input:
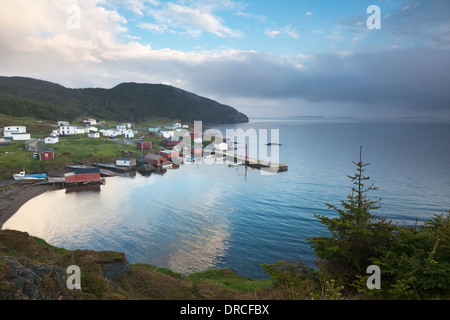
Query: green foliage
{"points": [[356, 234], [418, 262], [126, 102], [414, 260]]}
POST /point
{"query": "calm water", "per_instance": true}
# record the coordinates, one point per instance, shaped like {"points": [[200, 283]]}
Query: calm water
{"points": [[202, 216]]}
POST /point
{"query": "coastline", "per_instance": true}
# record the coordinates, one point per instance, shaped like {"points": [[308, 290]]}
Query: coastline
{"points": [[13, 195]]}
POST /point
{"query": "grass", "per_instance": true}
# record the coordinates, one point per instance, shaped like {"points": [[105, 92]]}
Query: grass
{"points": [[76, 149]]}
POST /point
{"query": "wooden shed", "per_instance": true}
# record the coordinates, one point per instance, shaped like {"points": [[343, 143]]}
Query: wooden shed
{"points": [[155, 160], [126, 162], [169, 154], [145, 145], [169, 143], [83, 175], [46, 154]]}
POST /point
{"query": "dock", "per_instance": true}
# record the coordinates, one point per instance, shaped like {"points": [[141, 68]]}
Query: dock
{"points": [[112, 167], [254, 163], [61, 182]]}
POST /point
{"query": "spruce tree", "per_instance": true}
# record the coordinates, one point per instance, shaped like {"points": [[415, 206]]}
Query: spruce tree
{"points": [[356, 235]]}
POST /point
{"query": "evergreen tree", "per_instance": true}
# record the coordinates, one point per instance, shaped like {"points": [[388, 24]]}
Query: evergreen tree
{"points": [[356, 235]]}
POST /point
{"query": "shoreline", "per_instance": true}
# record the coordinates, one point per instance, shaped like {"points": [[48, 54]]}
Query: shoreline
{"points": [[13, 195]]}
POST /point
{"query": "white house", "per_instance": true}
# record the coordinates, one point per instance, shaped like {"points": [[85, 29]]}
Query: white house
{"points": [[125, 162], [121, 127], [94, 135], [167, 134], [21, 136], [90, 121], [92, 129], [80, 130], [111, 133], [129, 133], [51, 140], [185, 126], [177, 125], [8, 131], [67, 130]]}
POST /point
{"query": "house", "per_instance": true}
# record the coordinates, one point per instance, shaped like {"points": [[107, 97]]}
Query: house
{"points": [[67, 130], [177, 125], [129, 133], [185, 126], [80, 130], [169, 143], [154, 129], [169, 154], [95, 129], [63, 123], [82, 175], [8, 131], [34, 145], [145, 145], [95, 135], [121, 127], [125, 162], [20, 136], [46, 154], [90, 121], [170, 127], [155, 160], [51, 140], [167, 134], [112, 133]]}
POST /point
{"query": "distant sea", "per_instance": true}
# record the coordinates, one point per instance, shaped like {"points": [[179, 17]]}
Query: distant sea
{"points": [[202, 216]]}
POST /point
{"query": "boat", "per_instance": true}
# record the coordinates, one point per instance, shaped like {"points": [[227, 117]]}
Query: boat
{"points": [[234, 164], [23, 176]]}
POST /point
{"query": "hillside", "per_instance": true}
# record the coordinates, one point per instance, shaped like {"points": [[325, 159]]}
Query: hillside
{"points": [[31, 269], [132, 102]]}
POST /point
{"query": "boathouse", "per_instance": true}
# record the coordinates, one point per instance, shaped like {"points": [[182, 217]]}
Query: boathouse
{"points": [[169, 143], [169, 154], [46, 154], [145, 145], [155, 160], [126, 162], [83, 175]]}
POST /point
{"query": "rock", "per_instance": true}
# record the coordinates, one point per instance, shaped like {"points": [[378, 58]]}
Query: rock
{"points": [[24, 279]]}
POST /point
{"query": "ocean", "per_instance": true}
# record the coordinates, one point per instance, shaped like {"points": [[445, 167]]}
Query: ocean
{"points": [[204, 216]]}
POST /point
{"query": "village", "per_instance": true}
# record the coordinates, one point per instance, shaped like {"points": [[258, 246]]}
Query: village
{"points": [[156, 150]]}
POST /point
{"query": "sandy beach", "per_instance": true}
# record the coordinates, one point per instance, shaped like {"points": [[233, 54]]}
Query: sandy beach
{"points": [[14, 194]]}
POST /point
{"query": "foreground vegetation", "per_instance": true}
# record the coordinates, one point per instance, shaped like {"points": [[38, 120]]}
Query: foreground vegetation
{"points": [[414, 260]]}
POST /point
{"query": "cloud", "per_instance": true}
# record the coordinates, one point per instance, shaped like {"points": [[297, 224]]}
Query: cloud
{"points": [[102, 54], [285, 31], [193, 19]]}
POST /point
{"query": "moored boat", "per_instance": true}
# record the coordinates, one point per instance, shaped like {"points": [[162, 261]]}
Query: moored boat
{"points": [[23, 176]]}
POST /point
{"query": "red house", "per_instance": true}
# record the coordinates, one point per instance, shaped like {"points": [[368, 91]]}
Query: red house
{"points": [[169, 154], [83, 175], [146, 145], [46, 154], [155, 160], [169, 143]]}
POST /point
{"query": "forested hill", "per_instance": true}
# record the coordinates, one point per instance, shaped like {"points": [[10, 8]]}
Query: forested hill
{"points": [[132, 102]]}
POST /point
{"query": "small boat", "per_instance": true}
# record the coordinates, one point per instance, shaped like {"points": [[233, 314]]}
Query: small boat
{"points": [[23, 176], [235, 164]]}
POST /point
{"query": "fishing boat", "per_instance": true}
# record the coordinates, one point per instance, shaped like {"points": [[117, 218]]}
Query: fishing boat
{"points": [[23, 176]]}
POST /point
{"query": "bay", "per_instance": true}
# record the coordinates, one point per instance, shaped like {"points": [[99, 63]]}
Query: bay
{"points": [[202, 216]]}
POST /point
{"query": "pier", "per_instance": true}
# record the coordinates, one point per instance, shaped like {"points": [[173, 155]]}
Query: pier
{"points": [[254, 163]]}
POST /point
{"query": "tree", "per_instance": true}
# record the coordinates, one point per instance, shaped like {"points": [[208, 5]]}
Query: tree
{"points": [[356, 235]]}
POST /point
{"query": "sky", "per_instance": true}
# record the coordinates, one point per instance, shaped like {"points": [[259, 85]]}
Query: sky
{"points": [[361, 58]]}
